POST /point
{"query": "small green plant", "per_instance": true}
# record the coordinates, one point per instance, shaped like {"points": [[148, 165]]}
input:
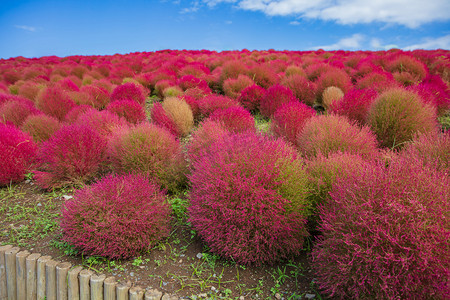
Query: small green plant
{"points": [[138, 261], [68, 249]]}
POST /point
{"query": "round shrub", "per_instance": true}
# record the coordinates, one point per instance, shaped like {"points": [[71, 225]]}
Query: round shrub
{"points": [[410, 65], [129, 91], [75, 112], [16, 111], [180, 112], [235, 119], [275, 97], [331, 95], [294, 70], [328, 134], [160, 117], [336, 77], [434, 91], [251, 97], [385, 234], [379, 81], [303, 89], [354, 105], [289, 119], [208, 133], [193, 104], [232, 69], [233, 87], [149, 150], [189, 81], [263, 76], [397, 115], [104, 122], [161, 85], [54, 102], [172, 91], [248, 199], [30, 90], [41, 127], [433, 149], [210, 103], [72, 156], [99, 96], [18, 154], [130, 110], [117, 217]]}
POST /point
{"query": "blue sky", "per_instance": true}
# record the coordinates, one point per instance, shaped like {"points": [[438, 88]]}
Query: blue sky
{"points": [[99, 27]]}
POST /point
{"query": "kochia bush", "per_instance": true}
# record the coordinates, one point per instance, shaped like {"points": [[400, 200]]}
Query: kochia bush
{"points": [[129, 91], [233, 87], [355, 104], [328, 134], [397, 115], [210, 103], [73, 155], [385, 234], [303, 89], [251, 97], [130, 110], [16, 111], [248, 199], [117, 217], [149, 150], [276, 96], [235, 119], [288, 120], [181, 114], [41, 127], [18, 154], [54, 102]]}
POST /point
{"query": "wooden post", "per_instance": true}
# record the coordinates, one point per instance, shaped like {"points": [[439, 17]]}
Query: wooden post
{"points": [[153, 294], [122, 291], [62, 269], [97, 287], [85, 290], [109, 288], [3, 284], [10, 258], [74, 285], [30, 266], [41, 276], [21, 275], [136, 293], [50, 279]]}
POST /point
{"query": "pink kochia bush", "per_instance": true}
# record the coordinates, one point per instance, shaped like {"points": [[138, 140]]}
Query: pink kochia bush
{"points": [[210, 103], [18, 154], [150, 150], [355, 104], [328, 134], [276, 96], [129, 91], [41, 127], [16, 111], [251, 97], [235, 119], [54, 102], [117, 217], [385, 234], [130, 110], [73, 155], [288, 120], [248, 199]]}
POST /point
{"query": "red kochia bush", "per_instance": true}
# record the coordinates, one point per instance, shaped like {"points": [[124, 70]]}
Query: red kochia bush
{"points": [[232, 87], [355, 104], [336, 77], [150, 150], [104, 122], [251, 97], [328, 134], [18, 153], [117, 217], [54, 102], [16, 111], [41, 127], [161, 118], [385, 235], [235, 119], [73, 155], [99, 96], [129, 91], [130, 110], [303, 89], [248, 199], [288, 120], [210, 103], [276, 96]]}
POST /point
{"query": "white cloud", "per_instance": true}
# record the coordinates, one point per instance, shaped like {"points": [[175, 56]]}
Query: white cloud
{"points": [[294, 23], [26, 28], [195, 6], [432, 43], [410, 13], [348, 43]]}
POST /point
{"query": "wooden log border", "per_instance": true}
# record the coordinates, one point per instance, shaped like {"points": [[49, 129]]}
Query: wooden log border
{"points": [[28, 276]]}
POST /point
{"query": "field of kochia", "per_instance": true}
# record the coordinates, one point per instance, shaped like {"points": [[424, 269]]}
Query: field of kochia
{"points": [[270, 148]]}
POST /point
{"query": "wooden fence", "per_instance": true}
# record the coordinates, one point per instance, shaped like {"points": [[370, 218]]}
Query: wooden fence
{"points": [[27, 276]]}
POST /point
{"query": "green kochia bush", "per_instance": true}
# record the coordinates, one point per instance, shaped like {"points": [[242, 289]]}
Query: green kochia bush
{"points": [[117, 217], [150, 150], [248, 199], [397, 115], [385, 234]]}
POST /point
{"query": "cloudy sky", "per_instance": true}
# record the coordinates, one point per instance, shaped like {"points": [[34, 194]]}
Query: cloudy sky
{"points": [[99, 27]]}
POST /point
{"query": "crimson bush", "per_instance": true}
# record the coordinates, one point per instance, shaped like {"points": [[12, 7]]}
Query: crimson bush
{"points": [[235, 119], [130, 110], [355, 104], [385, 234], [73, 155], [248, 199], [251, 97], [54, 102], [41, 127], [117, 217], [129, 91], [18, 154], [276, 96]]}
